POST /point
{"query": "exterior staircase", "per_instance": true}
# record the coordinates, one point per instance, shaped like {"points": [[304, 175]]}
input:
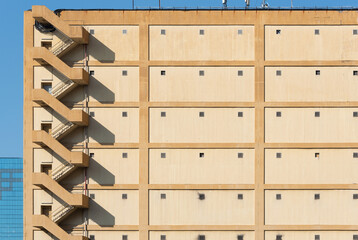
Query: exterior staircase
{"points": [[62, 171], [70, 36]]}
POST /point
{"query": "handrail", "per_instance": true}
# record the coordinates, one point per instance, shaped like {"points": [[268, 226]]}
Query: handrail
{"points": [[61, 211], [61, 87], [61, 170], [61, 46], [61, 128]]}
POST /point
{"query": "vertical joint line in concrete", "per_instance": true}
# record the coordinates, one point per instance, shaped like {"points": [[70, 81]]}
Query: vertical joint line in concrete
{"points": [[143, 131], [259, 128]]}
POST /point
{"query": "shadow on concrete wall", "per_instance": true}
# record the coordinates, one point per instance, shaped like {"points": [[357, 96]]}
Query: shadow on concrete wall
{"points": [[100, 215], [100, 51], [100, 174], [100, 133], [100, 92]]}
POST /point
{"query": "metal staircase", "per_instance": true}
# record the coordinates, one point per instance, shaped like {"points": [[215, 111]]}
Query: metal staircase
{"points": [[59, 48], [62, 171], [62, 212], [69, 36], [60, 89], [62, 129]]}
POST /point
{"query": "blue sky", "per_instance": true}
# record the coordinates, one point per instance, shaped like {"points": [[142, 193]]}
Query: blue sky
{"points": [[11, 22]]}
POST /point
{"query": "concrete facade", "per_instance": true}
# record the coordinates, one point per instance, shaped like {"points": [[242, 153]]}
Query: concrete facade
{"points": [[190, 125]]}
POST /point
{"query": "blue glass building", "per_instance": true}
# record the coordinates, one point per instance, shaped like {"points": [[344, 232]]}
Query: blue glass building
{"points": [[11, 199]]}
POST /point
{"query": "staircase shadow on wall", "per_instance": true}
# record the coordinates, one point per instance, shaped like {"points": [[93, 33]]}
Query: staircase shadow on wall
{"points": [[99, 51], [100, 174], [100, 133], [100, 92], [100, 215]]}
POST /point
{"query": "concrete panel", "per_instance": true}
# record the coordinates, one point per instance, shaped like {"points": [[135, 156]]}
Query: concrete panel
{"points": [[183, 207], [302, 166], [310, 235], [182, 43], [114, 84], [332, 84], [302, 43], [299, 207], [113, 166], [217, 125], [108, 125], [182, 84], [333, 125], [107, 208], [113, 43], [201, 166], [105, 235], [99, 235], [209, 235]]}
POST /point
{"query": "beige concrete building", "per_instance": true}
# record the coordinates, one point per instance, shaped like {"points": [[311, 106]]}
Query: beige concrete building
{"points": [[191, 125]]}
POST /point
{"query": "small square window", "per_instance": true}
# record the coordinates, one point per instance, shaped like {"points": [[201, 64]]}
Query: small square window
{"points": [[278, 197], [318, 72], [124, 114], [355, 237], [92, 31], [278, 237], [92, 114], [124, 31], [278, 114], [278, 155], [355, 155], [316, 155], [201, 73], [317, 114], [163, 155], [201, 32], [240, 155], [239, 31], [124, 196], [316, 31], [201, 237], [92, 196], [162, 32], [201, 196], [201, 155], [316, 237], [124, 73], [163, 237], [201, 114], [162, 73], [91, 155], [163, 114], [125, 155], [278, 31], [355, 32], [355, 196], [355, 73], [240, 114], [317, 196], [355, 114], [240, 237], [240, 73], [91, 73], [163, 196], [240, 196], [92, 237], [124, 237], [278, 73]]}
